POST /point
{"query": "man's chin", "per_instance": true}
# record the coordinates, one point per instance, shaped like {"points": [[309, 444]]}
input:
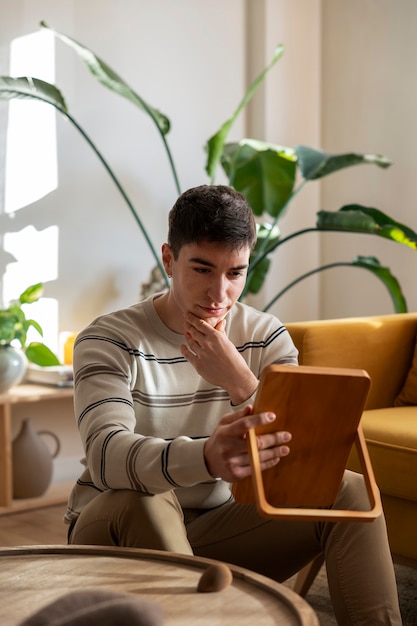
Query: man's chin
{"points": [[213, 321]]}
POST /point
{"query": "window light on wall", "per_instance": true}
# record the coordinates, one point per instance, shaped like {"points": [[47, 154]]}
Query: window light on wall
{"points": [[31, 158], [31, 172]]}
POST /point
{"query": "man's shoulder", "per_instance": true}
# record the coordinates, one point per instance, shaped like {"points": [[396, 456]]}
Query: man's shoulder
{"points": [[128, 312], [245, 313], [262, 332], [121, 321]]}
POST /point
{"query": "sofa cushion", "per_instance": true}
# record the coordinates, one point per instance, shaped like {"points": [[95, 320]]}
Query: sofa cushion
{"points": [[408, 394], [391, 436], [365, 344]]}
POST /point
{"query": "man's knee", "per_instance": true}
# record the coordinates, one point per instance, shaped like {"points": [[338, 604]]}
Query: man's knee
{"points": [[153, 521], [131, 506], [133, 519], [353, 493]]}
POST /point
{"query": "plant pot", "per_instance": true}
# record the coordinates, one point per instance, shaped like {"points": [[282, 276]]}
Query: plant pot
{"points": [[13, 364]]}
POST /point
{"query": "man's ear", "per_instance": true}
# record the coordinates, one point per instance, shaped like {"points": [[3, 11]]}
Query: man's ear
{"points": [[167, 258]]}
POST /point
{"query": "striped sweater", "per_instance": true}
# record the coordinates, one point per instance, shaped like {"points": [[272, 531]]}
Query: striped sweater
{"points": [[144, 413]]}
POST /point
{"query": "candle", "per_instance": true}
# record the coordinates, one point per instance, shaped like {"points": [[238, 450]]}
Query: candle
{"points": [[67, 342]]}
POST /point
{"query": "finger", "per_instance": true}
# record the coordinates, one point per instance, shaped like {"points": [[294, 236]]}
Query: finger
{"points": [[244, 470], [265, 456], [271, 440], [269, 463], [221, 326], [276, 452], [190, 334], [240, 427], [198, 325], [187, 354], [194, 323], [230, 418], [267, 459], [192, 344]]}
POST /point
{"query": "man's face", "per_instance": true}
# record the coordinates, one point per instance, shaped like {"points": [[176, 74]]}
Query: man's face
{"points": [[207, 279]]}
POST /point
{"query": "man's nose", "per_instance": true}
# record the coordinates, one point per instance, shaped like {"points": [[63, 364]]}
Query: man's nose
{"points": [[217, 289]]}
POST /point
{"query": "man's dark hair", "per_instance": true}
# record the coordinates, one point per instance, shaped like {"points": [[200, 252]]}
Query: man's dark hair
{"points": [[212, 213]]}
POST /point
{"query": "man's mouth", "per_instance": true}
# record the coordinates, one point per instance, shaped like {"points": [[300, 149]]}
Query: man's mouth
{"points": [[213, 311]]}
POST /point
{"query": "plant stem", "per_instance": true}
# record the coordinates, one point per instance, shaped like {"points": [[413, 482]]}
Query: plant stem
{"points": [[313, 229], [167, 150], [122, 191], [300, 278], [171, 162], [265, 253]]}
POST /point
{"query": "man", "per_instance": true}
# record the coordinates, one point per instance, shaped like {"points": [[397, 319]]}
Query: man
{"points": [[163, 399]]}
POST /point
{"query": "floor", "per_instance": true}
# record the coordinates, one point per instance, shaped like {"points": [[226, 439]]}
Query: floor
{"points": [[45, 526]]}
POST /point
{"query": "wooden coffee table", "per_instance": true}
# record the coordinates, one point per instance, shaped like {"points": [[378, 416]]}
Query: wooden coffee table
{"points": [[32, 577]]}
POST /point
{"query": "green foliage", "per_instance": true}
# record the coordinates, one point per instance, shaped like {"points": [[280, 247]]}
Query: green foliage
{"points": [[215, 144], [110, 79], [361, 219], [14, 327], [315, 164], [267, 175], [369, 263], [33, 89]]}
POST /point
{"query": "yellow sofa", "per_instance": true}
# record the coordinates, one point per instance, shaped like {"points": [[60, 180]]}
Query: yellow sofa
{"points": [[384, 346]]}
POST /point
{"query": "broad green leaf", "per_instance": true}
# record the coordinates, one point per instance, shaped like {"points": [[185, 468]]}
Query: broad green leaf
{"points": [[31, 294], [27, 87], [388, 227], [384, 274], [358, 218], [262, 172], [256, 277], [214, 146], [40, 354], [110, 79], [315, 164], [35, 325], [356, 221]]}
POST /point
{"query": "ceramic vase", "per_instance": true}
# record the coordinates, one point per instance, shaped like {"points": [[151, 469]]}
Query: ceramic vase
{"points": [[13, 364], [32, 461]]}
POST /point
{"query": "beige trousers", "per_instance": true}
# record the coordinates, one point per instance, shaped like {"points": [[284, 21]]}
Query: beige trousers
{"points": [[358, 560]]}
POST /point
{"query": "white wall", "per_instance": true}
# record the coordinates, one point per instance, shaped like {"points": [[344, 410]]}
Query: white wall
{"points": [[291, 116], [346, 82], [369, 105]]}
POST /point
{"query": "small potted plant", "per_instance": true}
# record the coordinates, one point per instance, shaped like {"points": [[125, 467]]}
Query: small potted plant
{"points": [[15, 351]]}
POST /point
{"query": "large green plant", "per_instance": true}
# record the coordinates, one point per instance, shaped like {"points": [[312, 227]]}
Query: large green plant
{"points": [[265, 174]]}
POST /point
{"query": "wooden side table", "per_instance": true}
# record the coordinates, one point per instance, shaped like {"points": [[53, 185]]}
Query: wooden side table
{"points": [[21, 394], [31, 578]]}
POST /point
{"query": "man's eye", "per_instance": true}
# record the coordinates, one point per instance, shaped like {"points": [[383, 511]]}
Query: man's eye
{"points": [[201, 270]]}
